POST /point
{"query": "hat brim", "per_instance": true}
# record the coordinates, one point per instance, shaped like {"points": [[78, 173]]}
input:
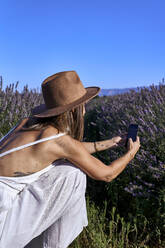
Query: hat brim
{"points": [[42, 112]]}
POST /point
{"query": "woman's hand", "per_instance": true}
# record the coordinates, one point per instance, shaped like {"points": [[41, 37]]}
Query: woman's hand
{"points": [[133, 147], [115, 141], [122, 142]]}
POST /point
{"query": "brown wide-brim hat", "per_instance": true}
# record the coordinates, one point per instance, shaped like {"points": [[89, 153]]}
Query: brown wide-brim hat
{"points": [[62, 92]]}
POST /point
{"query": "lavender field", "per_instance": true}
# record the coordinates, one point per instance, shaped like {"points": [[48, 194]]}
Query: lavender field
{"points": [[129, 211]]}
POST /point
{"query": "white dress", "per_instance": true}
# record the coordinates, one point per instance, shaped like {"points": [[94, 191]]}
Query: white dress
{"points": [[46, 209]]}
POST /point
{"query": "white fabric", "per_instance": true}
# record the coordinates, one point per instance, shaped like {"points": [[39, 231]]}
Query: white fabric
{"points": [[46, 209]]}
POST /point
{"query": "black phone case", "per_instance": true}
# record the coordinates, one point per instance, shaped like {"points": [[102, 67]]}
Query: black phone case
{"points": [[132, 132]]}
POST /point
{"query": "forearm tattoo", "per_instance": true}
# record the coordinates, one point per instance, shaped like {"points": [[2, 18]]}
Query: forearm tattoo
{"points": [[101, 145]]}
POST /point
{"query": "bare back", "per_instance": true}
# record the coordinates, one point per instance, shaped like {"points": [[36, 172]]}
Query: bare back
{"points": [[30, 159], [37, 157]]}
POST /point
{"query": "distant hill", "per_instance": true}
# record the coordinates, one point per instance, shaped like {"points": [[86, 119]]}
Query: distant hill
{"points": [[112, 92]]}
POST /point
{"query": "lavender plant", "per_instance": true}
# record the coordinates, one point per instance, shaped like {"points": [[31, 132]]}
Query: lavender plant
{"points": [[15, 105], [140, 189]]}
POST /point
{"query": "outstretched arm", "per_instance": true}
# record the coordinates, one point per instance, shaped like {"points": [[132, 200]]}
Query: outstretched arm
{"points": [[98, 146], [73, 150]]}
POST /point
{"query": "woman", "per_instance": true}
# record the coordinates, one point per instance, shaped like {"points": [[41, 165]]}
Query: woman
{"points": [[44, 164]]}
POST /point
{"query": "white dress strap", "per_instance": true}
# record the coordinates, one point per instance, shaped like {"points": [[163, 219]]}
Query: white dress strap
{"points": [[32, 143]]}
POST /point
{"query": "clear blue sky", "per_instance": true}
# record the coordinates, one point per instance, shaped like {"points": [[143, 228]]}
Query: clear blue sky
{"points": [[111, 44]]}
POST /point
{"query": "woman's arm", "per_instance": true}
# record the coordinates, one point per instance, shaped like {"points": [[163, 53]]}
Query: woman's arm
{"points": [[73, 150], [98, 146]]}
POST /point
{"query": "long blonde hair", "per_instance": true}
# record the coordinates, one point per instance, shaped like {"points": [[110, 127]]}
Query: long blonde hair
{"points": [[70, 122]]}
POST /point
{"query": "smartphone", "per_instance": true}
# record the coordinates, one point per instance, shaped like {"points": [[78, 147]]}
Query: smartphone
{"points": [[132, 132]]}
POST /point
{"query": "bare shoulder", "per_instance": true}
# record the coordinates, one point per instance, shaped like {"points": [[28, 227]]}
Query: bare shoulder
{"points": [[61, 147], [70, 147], [74, 151]]}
